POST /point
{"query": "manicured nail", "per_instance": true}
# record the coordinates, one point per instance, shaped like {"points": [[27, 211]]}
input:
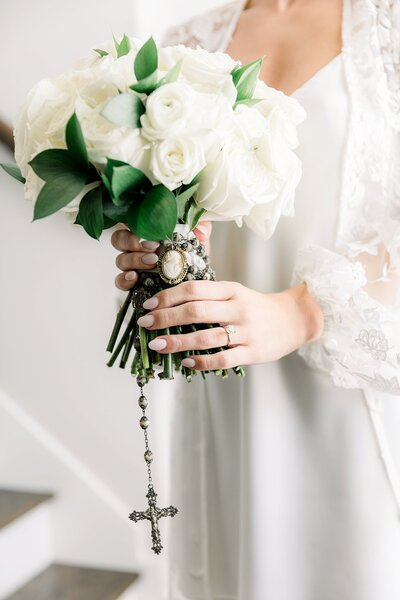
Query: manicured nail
{"points": [[202, 228], [146, 321], [149, 259], [131, 276], [150, 245], [150, 303], [157, 344], [188, 362]]}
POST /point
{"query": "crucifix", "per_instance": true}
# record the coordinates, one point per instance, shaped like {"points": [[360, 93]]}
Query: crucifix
{"points": [[152, 513]]}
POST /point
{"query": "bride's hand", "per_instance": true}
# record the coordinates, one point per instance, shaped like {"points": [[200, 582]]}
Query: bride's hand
{"points": [[139, 256], [268, 326]]}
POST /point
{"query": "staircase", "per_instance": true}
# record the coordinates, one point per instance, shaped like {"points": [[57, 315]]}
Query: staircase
{"points": [[26, 568]]}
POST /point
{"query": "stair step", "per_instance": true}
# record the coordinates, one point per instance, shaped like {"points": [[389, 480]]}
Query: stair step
{"points": [[14, 503], [67, 582]]}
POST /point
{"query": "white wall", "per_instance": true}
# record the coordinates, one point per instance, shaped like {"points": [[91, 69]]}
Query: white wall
{"points": [[57, 305]]}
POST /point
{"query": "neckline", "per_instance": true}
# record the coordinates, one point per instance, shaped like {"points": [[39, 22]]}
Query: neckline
{"points": [[317, 74], [231, 30]]}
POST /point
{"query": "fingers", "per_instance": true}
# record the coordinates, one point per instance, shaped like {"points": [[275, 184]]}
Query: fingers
{"points": [[191, 312], [126, 241], [193, 290], [233, 357], [203, 231], [126, 281], [204, 339], [131, 261]]}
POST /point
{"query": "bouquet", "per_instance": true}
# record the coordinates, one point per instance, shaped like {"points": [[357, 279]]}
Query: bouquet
{"points": [[158, 139]]}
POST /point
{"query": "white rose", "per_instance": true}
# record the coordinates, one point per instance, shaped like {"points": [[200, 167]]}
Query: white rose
{"points": [[169, 57], [283, 112], [177, 160], [209, 72], [251, 176], [42, 120]]}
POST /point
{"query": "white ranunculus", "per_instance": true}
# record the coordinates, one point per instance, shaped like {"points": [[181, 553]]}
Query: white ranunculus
{"points": [[177, 160], [250, 177], [209, 72], [169, 110]]}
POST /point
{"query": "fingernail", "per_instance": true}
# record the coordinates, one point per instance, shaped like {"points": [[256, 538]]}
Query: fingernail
{"points": [[131, 276], [146, 321], [202, 228], [149, 259], [157, 344], [188, 362], [150, 303], [150, 245]]}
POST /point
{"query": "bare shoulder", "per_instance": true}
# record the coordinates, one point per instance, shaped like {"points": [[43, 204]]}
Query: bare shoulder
{"points": [[209, 30]]}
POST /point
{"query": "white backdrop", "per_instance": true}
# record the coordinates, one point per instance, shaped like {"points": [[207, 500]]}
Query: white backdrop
{"points": [[67, 423]]}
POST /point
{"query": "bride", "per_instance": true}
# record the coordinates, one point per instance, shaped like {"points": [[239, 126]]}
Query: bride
{"points": [[288, 481]]}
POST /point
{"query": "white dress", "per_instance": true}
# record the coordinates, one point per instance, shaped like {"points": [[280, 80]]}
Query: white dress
{"points": [[287, 481]]}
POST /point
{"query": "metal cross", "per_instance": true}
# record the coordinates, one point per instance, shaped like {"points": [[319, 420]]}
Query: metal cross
{"points": [[153, 514]]}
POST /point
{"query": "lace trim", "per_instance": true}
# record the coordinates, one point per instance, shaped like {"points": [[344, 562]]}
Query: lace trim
{"points": [[211, 30], [371, 41]]}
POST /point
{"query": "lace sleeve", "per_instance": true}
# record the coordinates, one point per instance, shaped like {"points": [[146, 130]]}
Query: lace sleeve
{"points": [[358, 285], [211, 30], [360, 346]]}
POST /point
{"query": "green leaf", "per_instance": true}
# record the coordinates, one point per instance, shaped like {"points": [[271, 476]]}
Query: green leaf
{"points": [[108, 223], [126, 178], [118, 214], [14, 171], [106, 182], [54, 163], [90, 214], [75, 141], [194, 215], [172, 75], [146, 85], [182, 200], [155, 217], [57, 193], [123, 47], [146, 61], [111, 164], [100, 52], [245, 79], [124, 110]]}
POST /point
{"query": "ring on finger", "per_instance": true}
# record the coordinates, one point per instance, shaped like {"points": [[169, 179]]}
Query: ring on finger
{"points": [[230, 330]]}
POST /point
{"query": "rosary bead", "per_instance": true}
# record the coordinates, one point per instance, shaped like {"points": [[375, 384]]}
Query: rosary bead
{"points": [[148, 456], [144, 422], [142, 402]]}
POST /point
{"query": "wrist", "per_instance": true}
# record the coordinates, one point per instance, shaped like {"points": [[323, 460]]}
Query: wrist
{"points": [[307, 314]]}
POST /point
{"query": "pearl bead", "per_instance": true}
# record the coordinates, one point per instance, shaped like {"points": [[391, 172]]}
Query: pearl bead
{"points": [[144, 422], [142, 401], [148, 456]]}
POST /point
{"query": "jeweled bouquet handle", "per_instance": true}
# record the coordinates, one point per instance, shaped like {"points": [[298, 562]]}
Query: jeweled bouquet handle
{"points": [[158, 139]]}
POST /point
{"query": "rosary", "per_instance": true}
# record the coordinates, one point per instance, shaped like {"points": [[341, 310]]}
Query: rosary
{"points": [[152, 513]]}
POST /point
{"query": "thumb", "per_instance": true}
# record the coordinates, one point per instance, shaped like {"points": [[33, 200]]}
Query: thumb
{"points": [[203, 231]]}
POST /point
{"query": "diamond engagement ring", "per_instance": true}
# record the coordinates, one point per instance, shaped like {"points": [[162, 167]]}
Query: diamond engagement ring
{"points": [[230, 330]]}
